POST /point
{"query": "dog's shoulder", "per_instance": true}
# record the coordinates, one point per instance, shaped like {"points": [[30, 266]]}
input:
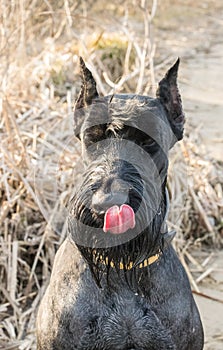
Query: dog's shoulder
{"points": [[60, 294], [67, 260]]}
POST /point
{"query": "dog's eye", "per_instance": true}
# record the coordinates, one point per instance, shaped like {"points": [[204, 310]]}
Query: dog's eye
{"points": [[148, 143], [94, 134]]}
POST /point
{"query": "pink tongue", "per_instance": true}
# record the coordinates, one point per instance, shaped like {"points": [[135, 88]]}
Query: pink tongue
{"points": [[119, 220]]}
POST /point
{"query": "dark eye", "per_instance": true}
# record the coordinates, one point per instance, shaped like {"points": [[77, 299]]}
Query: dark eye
{"points": [[94, 134], [149, 144]]}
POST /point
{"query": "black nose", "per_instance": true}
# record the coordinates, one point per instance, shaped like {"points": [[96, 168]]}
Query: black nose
{"points": [[116, 194]]}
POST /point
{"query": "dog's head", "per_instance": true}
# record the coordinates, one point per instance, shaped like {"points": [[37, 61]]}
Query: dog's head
{"points": [[95, 116], [117, 214]]}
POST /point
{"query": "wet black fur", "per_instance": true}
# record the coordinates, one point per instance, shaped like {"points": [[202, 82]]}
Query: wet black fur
{"points": [[125, 141]]}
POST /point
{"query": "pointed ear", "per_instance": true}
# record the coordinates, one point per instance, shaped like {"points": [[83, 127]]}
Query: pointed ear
{"points": [[87, 94], [169, 96]]}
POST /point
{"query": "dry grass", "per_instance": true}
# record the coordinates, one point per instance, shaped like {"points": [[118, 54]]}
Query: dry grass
{"points": [[40, 160]]}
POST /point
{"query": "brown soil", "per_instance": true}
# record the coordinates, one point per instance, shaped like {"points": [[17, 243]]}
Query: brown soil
{"points": [[202, 93]]}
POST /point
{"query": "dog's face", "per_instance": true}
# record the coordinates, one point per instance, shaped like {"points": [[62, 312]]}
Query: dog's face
{"points": [[125, 141]]}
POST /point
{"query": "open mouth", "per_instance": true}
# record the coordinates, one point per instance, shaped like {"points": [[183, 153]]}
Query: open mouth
{"points": [[118, 220]]}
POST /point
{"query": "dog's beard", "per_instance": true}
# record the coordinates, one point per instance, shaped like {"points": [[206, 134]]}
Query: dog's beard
{"points": [[104, 260]]}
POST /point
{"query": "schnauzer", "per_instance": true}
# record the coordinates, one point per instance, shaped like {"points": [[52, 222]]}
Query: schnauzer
{"points": [[130, 290]]}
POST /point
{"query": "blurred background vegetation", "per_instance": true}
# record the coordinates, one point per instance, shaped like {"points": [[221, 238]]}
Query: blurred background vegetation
{"points": [[127, 45]]}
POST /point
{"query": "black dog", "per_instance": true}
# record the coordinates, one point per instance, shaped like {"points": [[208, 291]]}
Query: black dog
{"points": [[132, 291]]}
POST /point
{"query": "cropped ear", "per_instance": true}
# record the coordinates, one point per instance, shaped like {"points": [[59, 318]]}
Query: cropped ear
{"points": [[87, 94], [169, 96]]}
